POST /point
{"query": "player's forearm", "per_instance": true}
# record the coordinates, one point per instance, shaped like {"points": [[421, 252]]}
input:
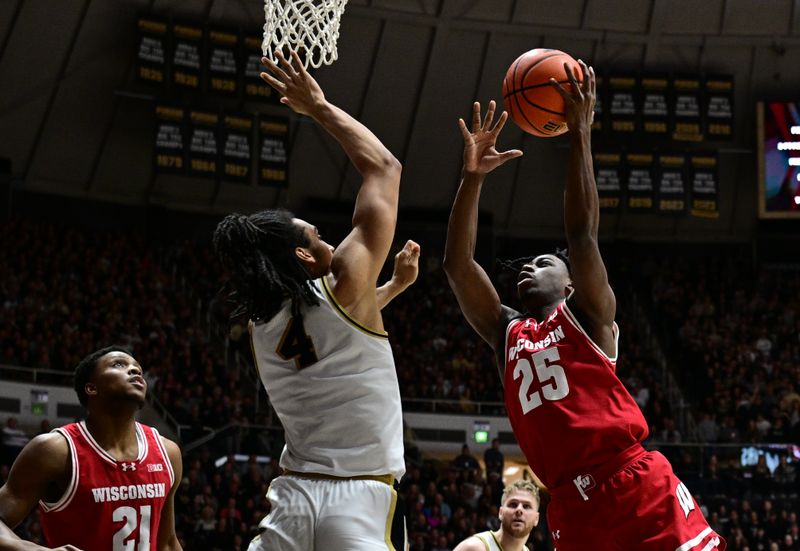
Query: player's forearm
{"points": [[364, 149], [581, 204], [388, 291], [9, 541], [462, 228]]}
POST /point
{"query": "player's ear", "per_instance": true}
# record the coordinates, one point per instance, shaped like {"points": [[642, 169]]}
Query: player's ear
{"points": [[90, 389]]}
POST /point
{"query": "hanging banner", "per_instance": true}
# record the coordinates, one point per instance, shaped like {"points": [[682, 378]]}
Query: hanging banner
{"points": [[151, 58], [622, 94], [223, 48], [719, 107], [686, 109], [235, 138], [608, 176], [639, 182], [705, 196], [202, 151], [170, 139], [254, 87], [273, 157], [671, 183], [655, 105], [187, 55]]}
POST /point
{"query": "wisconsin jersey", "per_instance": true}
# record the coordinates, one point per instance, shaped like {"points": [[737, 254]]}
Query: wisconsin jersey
{"points": [[334, 387], [568, 409], [110, 504]]}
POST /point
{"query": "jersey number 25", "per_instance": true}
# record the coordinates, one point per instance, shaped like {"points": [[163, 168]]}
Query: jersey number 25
{"points": [[551, 376]]}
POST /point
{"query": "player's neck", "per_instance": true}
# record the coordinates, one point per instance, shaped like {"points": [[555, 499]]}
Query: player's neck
{"points": [[115, 434], [540, 311], [509, 542]]}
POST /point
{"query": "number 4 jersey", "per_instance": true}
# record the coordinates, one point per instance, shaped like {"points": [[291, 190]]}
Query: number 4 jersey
{"points": [[110, 504], [568, 409]]}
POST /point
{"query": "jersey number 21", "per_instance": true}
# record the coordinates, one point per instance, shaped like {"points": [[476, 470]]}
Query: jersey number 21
{"points": [[550, 375]]}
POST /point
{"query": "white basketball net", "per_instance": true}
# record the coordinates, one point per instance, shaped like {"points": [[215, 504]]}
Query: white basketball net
{"points": [[309, 26]]}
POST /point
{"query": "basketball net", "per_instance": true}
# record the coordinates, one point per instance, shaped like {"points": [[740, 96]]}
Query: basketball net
{"points": [[311, 27]]}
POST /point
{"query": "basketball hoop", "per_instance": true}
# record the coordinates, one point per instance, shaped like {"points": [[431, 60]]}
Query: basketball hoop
{"points": [[311, 27]]}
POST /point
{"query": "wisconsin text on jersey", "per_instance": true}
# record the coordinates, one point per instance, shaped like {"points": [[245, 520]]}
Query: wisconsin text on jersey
{"points": [[133, 491], [524, 344]]}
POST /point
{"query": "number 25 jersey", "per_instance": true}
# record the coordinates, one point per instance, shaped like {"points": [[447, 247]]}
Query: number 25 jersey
{"points": [[567, 407]]}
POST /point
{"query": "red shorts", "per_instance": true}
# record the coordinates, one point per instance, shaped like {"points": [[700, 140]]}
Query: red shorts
{"points": [[635, 503]]}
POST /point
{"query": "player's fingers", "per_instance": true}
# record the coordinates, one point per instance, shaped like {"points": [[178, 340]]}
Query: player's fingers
{"points": [[285, 65], [560, 89], [593, 82], [510, 154], [274, 82], [464, 130], [487, 121], [298, 63], [501, 122], [585, 84], [476, 116], [412, 247], [278, 72], [571, 77]]}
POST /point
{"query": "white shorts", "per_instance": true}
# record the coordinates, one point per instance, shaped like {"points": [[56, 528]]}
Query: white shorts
{"points": [[321, 514]]}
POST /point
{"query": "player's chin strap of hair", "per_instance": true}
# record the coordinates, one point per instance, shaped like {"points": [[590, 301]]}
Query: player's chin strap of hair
{"points": [[514, 265]]}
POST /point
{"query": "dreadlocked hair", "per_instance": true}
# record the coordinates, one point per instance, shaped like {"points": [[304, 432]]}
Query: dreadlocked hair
{"points": [[516, 264], [258, 253]]}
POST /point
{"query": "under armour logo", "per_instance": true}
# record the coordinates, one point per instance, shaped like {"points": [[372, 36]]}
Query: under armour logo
{"points": [[584, 482], [128, 466], [556, 534]]}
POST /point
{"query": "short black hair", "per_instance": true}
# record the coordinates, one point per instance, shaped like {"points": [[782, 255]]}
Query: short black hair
{"points": [[563, 256], [84, 370], [516, 264]]}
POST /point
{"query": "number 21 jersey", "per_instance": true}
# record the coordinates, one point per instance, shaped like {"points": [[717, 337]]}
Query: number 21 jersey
{"points": [[567, 407], [109, 504]]}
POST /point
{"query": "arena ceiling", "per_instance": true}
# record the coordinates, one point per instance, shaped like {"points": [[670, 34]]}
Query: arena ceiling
{"points": [[74, 121]]}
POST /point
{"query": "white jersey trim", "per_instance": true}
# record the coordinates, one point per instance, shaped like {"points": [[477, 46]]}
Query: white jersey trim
{"points": [[163, 451], [695, 540], [72, 487], [141, 443], [614, 329], [345, 315], [510, 325]]}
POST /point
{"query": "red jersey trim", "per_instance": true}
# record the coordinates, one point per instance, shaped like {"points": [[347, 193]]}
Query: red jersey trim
{"points": [[163, 451], [509, 327], [140, 440], [575, 323], [72, 487]]}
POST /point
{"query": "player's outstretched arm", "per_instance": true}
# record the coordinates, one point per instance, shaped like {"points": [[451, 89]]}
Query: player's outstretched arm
{"points": [[406, 269], [167, 539], [593, 295], [474, 291], [358, 260], [42, 462]]}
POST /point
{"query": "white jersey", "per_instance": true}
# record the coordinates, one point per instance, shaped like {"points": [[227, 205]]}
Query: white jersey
{"points": [[334, 386], [489, 541]]}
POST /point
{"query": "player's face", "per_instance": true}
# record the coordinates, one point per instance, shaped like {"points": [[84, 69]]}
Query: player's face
{"points": [[519, 515], [317, 256], [546, 276], [118, 375]]}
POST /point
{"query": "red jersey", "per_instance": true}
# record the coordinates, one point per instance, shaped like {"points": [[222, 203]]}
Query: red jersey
{"points": [[110, 505], [568, 409]]}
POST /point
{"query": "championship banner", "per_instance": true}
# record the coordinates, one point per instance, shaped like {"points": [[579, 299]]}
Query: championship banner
{"points": [[655, 105], [608, 176], [202, 153], [186, 64], [235, 139], [705, 198], [622, 92], [151, 58], [223, 49], [254, 87], [273, 159], [640, 182], [671, 183], [599, 108], [686, 109], [170, 139], [719, 107]]}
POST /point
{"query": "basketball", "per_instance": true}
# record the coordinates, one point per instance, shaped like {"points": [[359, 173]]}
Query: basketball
{"points": [[528, 96]]}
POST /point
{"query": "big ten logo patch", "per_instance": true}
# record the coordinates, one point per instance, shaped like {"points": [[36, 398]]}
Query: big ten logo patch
{"points": [[684, 499], [155, 468]]}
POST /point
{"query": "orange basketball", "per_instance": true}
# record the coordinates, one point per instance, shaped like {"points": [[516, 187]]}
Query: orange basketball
{"points": [[528, 96]]}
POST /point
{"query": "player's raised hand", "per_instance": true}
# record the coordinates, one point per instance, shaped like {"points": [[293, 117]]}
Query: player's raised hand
{"points": [[406, 264], [297, 87], [480, 152], [579, 102]]}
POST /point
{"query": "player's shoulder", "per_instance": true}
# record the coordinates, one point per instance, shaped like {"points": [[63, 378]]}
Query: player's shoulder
{"points": [[472, 543], [46, 453]]}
